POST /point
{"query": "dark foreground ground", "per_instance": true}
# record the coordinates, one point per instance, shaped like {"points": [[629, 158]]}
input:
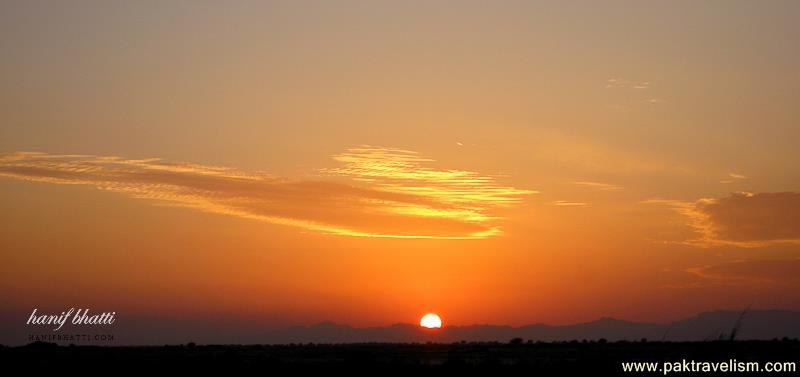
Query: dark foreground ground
{"points": [[521, 358]]}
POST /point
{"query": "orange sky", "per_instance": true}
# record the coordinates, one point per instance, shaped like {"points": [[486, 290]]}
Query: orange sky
{"points": [[368, 162]]}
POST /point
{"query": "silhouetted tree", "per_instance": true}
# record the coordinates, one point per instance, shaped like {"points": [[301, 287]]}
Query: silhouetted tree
{"points": [[738, 324]]}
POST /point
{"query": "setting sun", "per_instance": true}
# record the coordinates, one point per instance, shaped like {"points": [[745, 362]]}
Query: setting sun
{"points": [[430, 321]]}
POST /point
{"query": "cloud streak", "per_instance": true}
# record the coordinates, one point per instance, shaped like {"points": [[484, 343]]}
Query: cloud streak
{"points": [[395, 195], [615, 82], [751, 270], [598, 185], [567, 203], [734, 177]]}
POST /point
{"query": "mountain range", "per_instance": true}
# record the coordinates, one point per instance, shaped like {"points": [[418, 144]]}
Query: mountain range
{"points": [[751, 325]]}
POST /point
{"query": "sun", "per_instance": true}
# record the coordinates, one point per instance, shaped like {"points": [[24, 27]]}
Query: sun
{"points": [[430, 321]]}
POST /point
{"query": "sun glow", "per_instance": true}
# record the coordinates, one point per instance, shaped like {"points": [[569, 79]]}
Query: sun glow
{"points": [[430, 321]]}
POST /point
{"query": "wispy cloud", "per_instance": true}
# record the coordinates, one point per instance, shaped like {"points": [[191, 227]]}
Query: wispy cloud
{"points": [[749, 271], [598, 185], [463, 194], [633, 92], [566, 203], [615, 82], [734, 177], [395, 196]]}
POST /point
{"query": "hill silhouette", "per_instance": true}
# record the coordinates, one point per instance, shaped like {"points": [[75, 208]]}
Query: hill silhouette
{"points": [[755, 325]]}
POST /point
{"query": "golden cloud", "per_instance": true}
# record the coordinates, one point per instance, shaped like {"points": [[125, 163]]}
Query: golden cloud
{"points": [[394, 196]]}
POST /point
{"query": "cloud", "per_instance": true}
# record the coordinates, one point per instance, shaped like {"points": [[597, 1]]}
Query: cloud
{"points": [[565, 203], [734, 177], [742, 219], [626, 84], [633, 92], [402, 171], [599, 185], [751, 270], [396, 196], [748, 217]]}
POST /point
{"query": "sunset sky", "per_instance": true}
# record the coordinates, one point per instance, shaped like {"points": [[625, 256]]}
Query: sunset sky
{"points": [[366, 162]]}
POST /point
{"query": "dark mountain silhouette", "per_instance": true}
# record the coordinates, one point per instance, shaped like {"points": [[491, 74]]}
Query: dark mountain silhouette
{"points": [[755, 325]]}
